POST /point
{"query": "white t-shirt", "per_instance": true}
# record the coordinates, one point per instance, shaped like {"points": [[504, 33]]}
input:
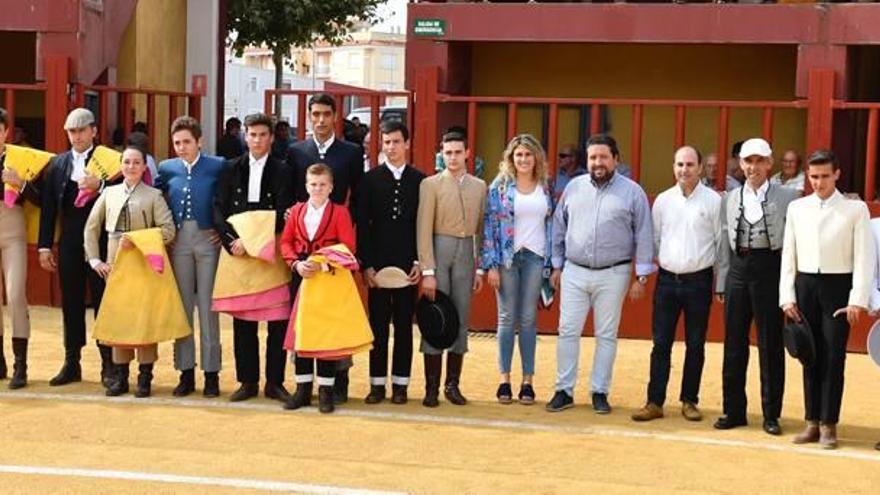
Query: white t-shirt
{"points": [[529, 215]]}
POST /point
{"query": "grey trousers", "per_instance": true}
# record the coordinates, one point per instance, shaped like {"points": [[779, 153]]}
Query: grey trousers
{"points": [[194, 259], [454, 258]]}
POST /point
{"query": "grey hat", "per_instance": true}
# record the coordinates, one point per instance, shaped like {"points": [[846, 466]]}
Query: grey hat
{"points": [[79, 118]]}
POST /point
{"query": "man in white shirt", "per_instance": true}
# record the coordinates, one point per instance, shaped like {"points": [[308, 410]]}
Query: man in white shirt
{"points": [[791, 174], [255, 181], [687, 237], [753, 219], [827, 266], [59, 186]]}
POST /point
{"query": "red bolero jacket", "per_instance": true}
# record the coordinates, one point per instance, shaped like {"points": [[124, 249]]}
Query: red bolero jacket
{"points": [[335, 228]]}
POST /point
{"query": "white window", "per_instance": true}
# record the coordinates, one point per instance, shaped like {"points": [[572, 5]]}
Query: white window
{"points": [[389, 61]]}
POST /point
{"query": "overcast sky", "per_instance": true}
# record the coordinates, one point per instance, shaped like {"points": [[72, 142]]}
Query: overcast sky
{"points": [[393, 14]]}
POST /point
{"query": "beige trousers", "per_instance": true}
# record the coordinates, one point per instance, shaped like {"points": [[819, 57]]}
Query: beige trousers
{"points": [[13, 261]]}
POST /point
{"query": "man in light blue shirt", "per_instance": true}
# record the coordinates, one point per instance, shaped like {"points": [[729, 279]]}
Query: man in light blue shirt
{"points": [[602, 226]]}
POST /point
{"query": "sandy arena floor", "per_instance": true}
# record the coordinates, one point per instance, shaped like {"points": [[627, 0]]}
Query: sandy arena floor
{"points": [[72, 439]]}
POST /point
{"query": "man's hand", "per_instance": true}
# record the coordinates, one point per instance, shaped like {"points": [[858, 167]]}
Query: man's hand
{"points": [[12, 178], [555, 277], [237, 248], [370, 277], [636, 291], [306, 269], [415, 274], [429, 286], [125, 243], [287, 213], [90, 182], [47, 261], [103, 270], [791, 312], [853, 313], [494, 278], [478, 283], [719, 296]]}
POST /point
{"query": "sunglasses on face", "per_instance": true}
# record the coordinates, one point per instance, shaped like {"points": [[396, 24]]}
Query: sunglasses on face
{"points": [[565, 155]]}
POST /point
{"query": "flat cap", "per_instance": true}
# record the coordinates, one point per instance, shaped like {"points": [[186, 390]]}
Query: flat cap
{"points": [[79, 118]]}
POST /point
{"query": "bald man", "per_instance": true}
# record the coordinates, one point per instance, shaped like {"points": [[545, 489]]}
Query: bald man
{"points": [[687, 238]]}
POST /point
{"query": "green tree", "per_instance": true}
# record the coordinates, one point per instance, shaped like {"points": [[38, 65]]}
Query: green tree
{"points": [[282, 24]]}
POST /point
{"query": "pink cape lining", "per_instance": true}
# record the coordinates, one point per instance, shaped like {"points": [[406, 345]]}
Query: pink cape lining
{"points": [[157, 262], [265, 299], [268, 252], [83, 197], [10, 197], [264, 314]]}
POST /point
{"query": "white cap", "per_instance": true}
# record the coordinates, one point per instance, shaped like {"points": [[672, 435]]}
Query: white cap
{"points": [[755, 146]]}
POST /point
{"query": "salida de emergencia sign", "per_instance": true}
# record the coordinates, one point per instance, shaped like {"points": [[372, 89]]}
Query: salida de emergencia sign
{"points": [[430, 27]]}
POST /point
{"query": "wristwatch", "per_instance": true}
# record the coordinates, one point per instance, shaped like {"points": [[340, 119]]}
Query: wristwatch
{"points": [[642, 280]]}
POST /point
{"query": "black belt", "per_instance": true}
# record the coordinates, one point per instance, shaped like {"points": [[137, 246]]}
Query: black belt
{"points": [[624, 262], [685, 277], [744, 251]]}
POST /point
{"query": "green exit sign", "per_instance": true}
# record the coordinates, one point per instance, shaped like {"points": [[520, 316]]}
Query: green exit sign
{"points": [[430, 27]]}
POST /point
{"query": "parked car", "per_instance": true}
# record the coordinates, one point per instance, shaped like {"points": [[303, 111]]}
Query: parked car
{"points": [[364, 115]]}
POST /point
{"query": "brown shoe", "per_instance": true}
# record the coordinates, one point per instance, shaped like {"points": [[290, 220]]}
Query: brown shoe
{"points": [[648, 412], [690, 412], [828, 436], [809, 435]]}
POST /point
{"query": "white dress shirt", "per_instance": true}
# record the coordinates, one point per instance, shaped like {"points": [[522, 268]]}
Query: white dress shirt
{"points": [[687, 229], [189, 166], [313, 218], [79, 164], [255, 178], [828, 237], [796, 182], [752, 202], [323, 147], [397, 172]]}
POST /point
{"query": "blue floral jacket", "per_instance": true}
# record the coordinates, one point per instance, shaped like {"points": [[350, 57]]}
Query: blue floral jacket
{"points": [[498, 225]]}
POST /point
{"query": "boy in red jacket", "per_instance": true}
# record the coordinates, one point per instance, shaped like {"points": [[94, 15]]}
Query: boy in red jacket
{"points": [[312, 225]]}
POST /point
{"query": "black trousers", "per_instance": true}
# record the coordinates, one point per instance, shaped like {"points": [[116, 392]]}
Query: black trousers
{"points": [[690, 294], [246, 344], [387, 305], [818, 297], [74, 273], [752, 293]]}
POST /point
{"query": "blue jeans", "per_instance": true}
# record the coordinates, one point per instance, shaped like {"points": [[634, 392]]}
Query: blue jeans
{"points": [[517, 307]]}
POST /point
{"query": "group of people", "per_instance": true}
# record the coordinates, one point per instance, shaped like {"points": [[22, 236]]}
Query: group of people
{"points": [[763, 251]]}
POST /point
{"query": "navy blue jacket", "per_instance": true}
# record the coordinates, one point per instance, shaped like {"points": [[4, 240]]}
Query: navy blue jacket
{"points": [[175, 183]]}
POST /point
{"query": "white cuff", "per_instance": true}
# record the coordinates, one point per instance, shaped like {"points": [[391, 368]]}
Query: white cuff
{"points": [[428, 273], [377, 381], [480, 272], [303, 378], [44, 250], [94, 262]]}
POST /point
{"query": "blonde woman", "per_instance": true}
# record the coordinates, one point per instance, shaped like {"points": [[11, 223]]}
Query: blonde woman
{"points": [[516, 250]]}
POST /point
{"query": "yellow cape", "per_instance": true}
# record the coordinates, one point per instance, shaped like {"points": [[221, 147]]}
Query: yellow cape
{"points": [[28, 163], [105, 163], [141, 303], [246, 275], [329, 313]]}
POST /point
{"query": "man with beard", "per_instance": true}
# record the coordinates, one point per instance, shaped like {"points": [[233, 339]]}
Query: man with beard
{"points": [[601, 228]]}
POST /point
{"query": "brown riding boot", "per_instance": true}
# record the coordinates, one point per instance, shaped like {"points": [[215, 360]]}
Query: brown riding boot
{"points": [[454, 364], [19, 369], [433, 368]]}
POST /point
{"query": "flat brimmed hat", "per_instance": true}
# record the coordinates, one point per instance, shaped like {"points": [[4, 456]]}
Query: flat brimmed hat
{"points": [[799, 342], [79, 118], [755, 146], [392, 277], [438, 320], [874, 342]]}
